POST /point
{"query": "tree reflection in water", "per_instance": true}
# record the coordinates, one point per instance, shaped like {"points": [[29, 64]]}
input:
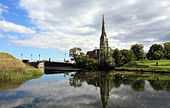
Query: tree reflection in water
{"points": [[106, 81]]}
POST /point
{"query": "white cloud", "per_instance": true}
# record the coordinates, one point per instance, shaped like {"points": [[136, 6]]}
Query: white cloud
{"points": [[12, 27], [72, 23], [53, 93], [59, 40]]}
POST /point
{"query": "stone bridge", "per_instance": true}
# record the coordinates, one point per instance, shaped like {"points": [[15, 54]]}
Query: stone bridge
{"points": [[54, 67]]}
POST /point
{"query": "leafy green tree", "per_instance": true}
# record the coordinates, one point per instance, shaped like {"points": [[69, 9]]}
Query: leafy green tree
{"points": [[167, 50], [155, 52], [85, 62], [138, 51], [126, 56], [117, 56], [157, 55], [74, 51], [81, 61], [122, 57]]}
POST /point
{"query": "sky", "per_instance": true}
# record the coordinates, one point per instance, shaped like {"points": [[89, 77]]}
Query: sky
{"points": [[51, 27]]}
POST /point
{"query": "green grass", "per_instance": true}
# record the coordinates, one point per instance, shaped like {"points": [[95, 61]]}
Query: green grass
{"points": [[153, 62], [148, 65], [12, 69]]}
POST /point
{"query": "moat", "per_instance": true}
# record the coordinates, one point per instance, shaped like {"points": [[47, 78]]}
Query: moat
{"points": [[89, 90]]}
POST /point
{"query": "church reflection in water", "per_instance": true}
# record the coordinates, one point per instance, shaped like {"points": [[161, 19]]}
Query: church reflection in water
{"points": [[106, 81]]}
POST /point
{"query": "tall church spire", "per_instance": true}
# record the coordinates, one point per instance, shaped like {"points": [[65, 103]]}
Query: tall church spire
{"points": [[103, 27]]}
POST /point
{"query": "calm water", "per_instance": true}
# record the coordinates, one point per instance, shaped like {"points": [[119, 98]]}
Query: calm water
{"points": [[87, 90]]}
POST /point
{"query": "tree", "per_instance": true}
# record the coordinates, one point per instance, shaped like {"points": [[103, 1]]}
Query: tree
{"points": [[155, 52], [138, 51], [122, 57], [126, 56], [83, 61], [117, 56], [74, 51], [167, 50]]}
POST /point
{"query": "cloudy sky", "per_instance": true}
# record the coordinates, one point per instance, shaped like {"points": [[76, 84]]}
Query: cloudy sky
{"points": [[51, 27]]}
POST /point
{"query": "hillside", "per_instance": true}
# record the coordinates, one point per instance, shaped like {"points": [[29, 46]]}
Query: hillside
{"points": [[8, 62], [12, 69]]}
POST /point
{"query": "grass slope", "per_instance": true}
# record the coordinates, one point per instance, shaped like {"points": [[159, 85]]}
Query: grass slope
{"points": [[12, 69]]}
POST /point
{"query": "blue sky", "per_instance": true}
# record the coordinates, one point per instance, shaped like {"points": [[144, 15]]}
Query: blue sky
{"points": [[15, 14], [51, 27]]}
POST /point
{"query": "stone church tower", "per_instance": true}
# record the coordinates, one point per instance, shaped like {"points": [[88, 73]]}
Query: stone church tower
{"points": [[103, 52]]}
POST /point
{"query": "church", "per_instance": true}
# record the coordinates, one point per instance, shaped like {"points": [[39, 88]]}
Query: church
{"points": [[104, 47], [101, 54]]}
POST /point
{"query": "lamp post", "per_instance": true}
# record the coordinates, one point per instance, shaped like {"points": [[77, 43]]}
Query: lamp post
{"points": [[65, 55], [31, 57], [39, 56]]}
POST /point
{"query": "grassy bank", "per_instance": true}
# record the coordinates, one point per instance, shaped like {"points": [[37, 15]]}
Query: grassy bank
{"points": [[147, 66], [12, 69]]}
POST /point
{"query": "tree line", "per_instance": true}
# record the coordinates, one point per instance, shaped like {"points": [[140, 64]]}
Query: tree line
{"points": [[136, 53], [120, 57]]}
